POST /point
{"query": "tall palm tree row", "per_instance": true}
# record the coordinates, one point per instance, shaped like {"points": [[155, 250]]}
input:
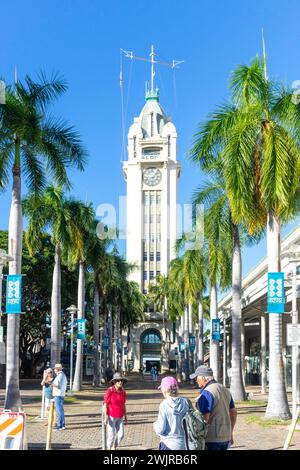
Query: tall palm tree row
{"points": [[212, 194], [31, 143], [257, 138]]}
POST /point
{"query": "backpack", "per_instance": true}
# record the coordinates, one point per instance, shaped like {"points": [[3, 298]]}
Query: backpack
{"points": [[195, 428]]}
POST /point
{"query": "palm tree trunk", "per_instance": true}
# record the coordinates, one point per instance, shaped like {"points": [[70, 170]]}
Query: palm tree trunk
{"points": [[104, 334], [96, 377], [200, 332], [236, 385], [110, 334], [277, 400], [56, 309], [179, 360], [77, 385], [191, 354], [214, 345], [12, 396], [186, 340]]}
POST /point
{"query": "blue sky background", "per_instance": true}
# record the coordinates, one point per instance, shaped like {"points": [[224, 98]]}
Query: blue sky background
{"points": [[81, 39]]}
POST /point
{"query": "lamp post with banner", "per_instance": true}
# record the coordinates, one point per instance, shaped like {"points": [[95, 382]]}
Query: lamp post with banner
{"points": [[293, 254], [72, 310], [4, 259]]}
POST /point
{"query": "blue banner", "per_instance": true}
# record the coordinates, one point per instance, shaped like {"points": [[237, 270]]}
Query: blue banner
{"points": [[182, 346], [14, 294], [81, 328], [192, 343], [119, 345], [275, 293], [105, 342], [215, 329]]}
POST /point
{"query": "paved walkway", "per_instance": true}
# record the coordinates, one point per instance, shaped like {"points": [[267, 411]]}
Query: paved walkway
{"points": [[83, 419]]}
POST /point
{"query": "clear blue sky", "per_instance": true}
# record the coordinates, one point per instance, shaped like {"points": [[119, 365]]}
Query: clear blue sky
{"points": [[81, 39]]}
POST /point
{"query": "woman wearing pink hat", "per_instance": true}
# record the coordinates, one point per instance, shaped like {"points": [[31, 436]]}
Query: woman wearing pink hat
{"points": [[168, 425]]}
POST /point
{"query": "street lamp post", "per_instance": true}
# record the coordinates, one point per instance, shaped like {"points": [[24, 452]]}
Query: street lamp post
{"points": [[72, 309], [294, 257]]}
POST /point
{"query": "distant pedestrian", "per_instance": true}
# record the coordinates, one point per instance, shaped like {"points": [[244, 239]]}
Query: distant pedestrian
{"points": [[217, 407], [171, 412], [59, 385], [115, 411]]}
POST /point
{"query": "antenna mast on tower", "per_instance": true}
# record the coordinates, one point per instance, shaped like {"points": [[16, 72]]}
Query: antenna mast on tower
{"points": [[174, 64]]}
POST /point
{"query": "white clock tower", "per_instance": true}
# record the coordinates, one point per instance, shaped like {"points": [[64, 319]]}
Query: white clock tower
{"points": [[151, 173]]}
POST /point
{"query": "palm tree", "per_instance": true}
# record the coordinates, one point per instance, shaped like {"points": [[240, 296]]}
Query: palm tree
{"points": [[30, 143], [53, 211], [83, 225], [211, 194], [258, 138]]}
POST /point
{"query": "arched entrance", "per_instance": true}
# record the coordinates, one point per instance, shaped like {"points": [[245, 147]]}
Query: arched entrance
{"points": [[151, 349]]}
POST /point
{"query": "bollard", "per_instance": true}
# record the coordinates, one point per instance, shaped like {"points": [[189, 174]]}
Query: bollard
{"points": [[50, 423], [291, 430], [103, 428]]}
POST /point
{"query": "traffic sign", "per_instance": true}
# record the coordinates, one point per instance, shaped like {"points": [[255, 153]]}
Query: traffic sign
{"points": [[276, 292], [293, 334]]}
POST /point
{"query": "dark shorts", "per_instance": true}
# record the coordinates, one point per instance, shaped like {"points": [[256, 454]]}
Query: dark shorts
{"points": [[217, 445], [163, 446]]}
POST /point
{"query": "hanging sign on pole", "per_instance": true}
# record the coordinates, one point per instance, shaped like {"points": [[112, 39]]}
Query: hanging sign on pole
{"points": [[81, 328], [276, 292], [14, 294], [192, 343], [215, 329]]}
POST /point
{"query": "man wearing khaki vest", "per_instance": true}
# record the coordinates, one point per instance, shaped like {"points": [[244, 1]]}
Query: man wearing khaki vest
{"points": [[217, 407]]}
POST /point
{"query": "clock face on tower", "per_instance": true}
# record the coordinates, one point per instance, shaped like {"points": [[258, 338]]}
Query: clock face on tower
{"points": [[151, 176]]}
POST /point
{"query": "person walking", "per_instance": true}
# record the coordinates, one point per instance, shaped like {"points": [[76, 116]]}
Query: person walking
{"points": [[115, 411], [59, 385], [168, 425], [217, 407]]}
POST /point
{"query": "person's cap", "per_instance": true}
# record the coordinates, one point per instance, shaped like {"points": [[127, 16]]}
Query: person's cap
{"points": [[202, 371], [117, 376], [169, 383], [58, 366]]}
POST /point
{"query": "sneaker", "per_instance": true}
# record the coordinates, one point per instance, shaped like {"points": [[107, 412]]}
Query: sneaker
{"points": [[57, 429], [64, 427]]}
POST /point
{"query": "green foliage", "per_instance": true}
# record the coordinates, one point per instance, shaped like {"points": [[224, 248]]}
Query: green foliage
{"points": [[36, 296], [33, 140]]}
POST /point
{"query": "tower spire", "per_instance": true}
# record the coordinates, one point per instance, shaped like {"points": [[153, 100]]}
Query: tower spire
{"points": [[152, 68]]}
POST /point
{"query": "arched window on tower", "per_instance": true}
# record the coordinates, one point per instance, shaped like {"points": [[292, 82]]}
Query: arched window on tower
{"points": [[169, 146], [152, 125]]}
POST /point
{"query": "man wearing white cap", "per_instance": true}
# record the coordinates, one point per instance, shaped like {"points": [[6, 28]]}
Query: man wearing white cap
{"points": [[217, 407], [59, 390]]}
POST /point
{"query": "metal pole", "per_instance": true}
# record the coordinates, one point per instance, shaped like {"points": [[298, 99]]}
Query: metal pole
{"points": [[224, 353], [263, 365], [43, 403], [50, 422], [1, 278], [294, 348], [71, 355]]}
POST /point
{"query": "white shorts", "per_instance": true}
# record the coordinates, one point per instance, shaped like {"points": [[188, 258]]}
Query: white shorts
{"points": [[48, 402]]}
